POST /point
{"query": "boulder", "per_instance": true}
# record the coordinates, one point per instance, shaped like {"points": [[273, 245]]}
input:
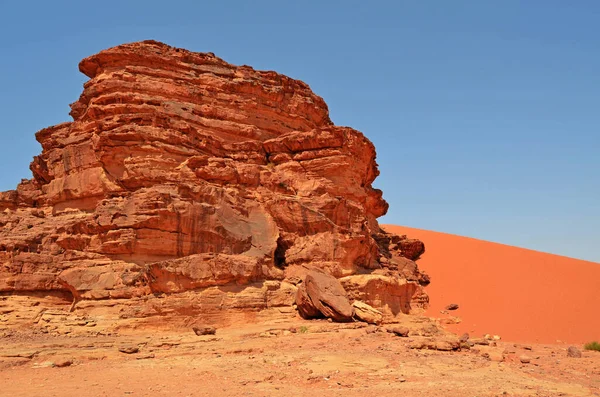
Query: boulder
{"points": [[525, 359], [128, 349], [399, 331], [574, 352], [305, 306], [322, 295], [204, 330], [367, 313], [411, 248], [328, 296]]}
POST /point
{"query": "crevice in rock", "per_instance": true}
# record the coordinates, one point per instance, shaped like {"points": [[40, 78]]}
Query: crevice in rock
{"points": [[41, 294], [279, 256], [165, 161]]}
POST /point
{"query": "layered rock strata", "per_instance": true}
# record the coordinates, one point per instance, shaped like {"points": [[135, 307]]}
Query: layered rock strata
{"points": [[190, 185]]}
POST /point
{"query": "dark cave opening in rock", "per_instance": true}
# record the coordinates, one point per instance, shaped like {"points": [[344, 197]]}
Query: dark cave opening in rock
{"points": [[279, 256]]}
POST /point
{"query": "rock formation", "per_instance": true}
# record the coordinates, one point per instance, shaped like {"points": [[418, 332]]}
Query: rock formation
{"points": [[187, 185]]}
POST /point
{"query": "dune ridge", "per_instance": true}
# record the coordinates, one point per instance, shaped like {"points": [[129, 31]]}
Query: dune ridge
{"points": [[520, 294]]}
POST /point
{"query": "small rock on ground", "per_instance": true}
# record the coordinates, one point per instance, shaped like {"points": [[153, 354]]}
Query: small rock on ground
{"points": [[129, 349], [63, 363], [145, 356], [399, 331], [574, 352], [525, 359], [496, 357], [204, 330]]}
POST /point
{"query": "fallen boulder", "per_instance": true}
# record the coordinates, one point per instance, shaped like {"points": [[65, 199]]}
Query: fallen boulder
{"points": [[323, 293], [367, 313], [306, 308]]}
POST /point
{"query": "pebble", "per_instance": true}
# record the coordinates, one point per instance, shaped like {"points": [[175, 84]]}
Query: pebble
{"points": [[525, 359], [129, 349]]}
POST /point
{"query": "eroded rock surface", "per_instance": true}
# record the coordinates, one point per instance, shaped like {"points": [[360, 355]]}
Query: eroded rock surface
{"points": [[188, 185], [366, 313], [322, 294]]}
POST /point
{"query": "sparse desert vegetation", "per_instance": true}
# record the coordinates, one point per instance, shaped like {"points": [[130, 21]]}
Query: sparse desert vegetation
{"points": [[592, 346]]}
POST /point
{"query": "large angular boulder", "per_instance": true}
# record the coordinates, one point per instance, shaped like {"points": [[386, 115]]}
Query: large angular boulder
{"points": [[323, 293], [306, 308]]}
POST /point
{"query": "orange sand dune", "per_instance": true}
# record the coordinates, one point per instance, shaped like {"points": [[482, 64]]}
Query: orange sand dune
{"points": [[519, 294]]}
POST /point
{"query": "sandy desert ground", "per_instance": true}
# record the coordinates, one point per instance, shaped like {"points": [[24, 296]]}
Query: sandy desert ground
{"points": [[314, 358]]}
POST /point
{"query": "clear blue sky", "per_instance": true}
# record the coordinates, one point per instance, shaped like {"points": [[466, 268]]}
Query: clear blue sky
{"points": [[485, 114]]}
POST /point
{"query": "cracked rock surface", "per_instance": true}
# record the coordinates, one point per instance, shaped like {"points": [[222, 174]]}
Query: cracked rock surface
{"points": [[205, 184]]}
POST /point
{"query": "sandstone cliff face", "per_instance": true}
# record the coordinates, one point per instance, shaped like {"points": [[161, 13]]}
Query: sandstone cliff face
{"points": [[204, 184]]}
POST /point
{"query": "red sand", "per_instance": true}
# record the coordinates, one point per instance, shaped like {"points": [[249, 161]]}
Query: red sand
{"points": [[519, 294]]}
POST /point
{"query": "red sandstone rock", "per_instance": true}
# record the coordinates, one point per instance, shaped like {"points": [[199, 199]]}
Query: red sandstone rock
{"points": [[323, 293], [399, 331], [306, 308], [204, 330], [367, 313], [572, 351], [181, 173]]}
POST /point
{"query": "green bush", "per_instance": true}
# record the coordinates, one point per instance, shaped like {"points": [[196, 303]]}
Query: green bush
{"points": [[592, 346], [303, 329]]}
